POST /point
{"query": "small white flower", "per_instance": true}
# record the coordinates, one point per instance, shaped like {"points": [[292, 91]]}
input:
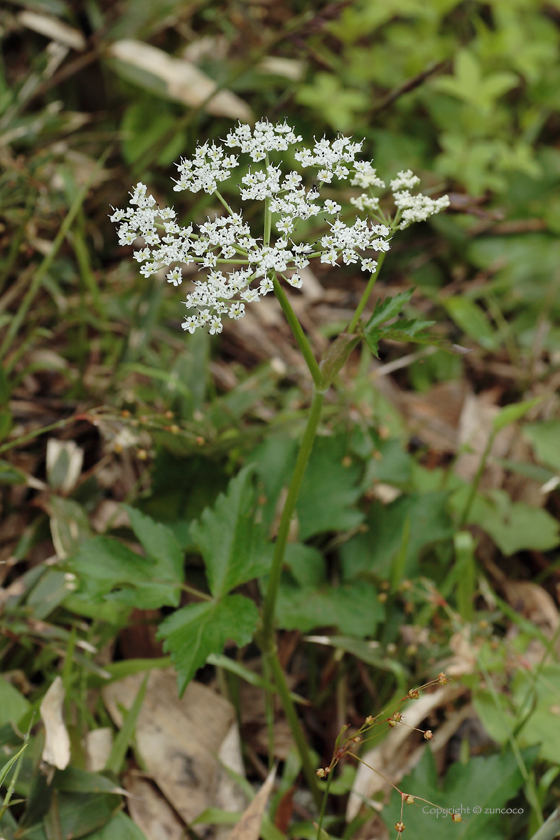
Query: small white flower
{"points": [[332, 207], [295, 281], [405, 180], [175, 276], [369, 265]]}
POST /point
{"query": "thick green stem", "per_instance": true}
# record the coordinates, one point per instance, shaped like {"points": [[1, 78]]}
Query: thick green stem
{"points": [[269, 605], [267, 641], [295, 726], [299, 334], [365, 297]]}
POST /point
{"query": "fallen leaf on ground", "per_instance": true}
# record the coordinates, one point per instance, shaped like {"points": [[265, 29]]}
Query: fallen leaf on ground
{"points": [[177, 739], [184, 82], [249, 826], [57, 741]]}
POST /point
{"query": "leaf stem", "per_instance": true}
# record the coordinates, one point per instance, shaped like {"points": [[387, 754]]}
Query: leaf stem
{"points": [[365, 297], [324, 804], [295, 725], [476, 482], [269, 606], [299, 334], [267, 642]]}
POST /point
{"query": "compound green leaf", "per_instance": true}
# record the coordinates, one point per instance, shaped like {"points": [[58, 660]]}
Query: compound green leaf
{"points": [[107, 567], [232, 544], [194, 632], [353, 608]]}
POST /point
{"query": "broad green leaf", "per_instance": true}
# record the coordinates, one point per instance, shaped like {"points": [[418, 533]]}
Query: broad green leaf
{"points": [[306, 564], [232, 544], [157, 541], [484, 783], [472, 320], [545, 438], [353, 608], [13, 704], [274, 461], [329, 490], [543, 724], [373, 551], [107, 567], [120, 827], [75, 780], [79, 814], [192, 633], [513, 526], [512, 413]]}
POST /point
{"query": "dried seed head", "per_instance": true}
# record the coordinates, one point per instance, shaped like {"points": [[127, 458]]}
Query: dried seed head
{"points": [[321, 773], [428, 734], [442, 679], [356, 739], [456, 818], [369, 720], [399, 827], [392, 723], [409, 800], [396, 716], [414, 694]]}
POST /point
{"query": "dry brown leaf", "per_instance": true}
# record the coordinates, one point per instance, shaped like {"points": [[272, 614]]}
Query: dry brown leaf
{"points": [[475, 428], [57, 741], [54, 29], [98, 748], [64, 464], [249, 826], [150, 810], [184, 81], [393, 757], [178, 739], [533, 602]]}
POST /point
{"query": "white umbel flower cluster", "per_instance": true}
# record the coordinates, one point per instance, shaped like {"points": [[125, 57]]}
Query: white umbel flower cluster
{"points": [[414, 208], [240, 268]]}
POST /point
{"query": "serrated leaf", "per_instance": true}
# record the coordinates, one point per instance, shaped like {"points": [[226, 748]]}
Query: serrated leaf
{"points": [[388, 308], [107, 567], [484, 783], [194, 632], [329, 490], [352, 607], [157, 540], [405, 330], [232, 544]]}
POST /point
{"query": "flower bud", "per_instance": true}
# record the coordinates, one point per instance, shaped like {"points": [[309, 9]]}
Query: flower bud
{"points": [[428, 734], [414, 694], [456, 818], [409, 800], [399, 827]]}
